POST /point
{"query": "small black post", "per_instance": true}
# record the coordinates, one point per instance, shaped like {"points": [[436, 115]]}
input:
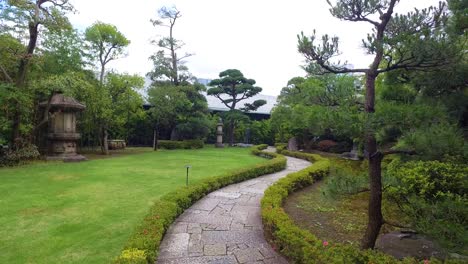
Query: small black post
{"points": [[186, 179]]}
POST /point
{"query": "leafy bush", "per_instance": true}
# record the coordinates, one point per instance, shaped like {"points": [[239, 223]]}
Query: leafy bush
{"points": [[132, 256], [430, 180], [340, 147], [148, 235], [281, 146], [345, 182], [435, 196], [186, 144], [435, 141], [24, 151], [261, 132], [299, 245], [326, 145], [445, 220]]}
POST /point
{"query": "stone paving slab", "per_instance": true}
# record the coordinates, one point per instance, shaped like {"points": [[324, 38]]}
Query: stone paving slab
{"points": [[225, 226]]}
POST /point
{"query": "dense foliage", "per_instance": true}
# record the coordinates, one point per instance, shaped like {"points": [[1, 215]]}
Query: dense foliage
{"points": [[179, 112], [434, 195], [301, 246], [231, 88]]}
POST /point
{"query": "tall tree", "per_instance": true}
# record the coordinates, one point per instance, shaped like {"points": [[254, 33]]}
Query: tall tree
{"points": [[26, 15], [411, 42], [107, 44], [182, 109], [63, 51], [170, 66], [126, 102], [231, 88]]}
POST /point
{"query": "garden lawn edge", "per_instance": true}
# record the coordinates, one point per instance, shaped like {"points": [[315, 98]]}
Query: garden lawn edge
{"points": [[300, 245], [143, 245]]}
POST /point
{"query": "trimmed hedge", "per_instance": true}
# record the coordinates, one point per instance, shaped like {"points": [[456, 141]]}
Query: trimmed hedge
{"points": [[299, 245], [148, 235], [281, 146], [185, 144]]}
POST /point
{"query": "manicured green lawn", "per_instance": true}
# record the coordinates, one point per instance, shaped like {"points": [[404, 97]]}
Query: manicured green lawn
{"points": [[85, 212]]}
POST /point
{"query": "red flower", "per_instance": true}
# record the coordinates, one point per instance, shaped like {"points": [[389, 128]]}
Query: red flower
{"points": [[426, 261], [325, 243]]}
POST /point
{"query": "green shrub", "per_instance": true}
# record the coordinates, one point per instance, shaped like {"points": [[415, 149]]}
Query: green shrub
{"points": [[340, 147], [148, 235], [281, 146], [23, 152], [435, 197], [445, 220], [186, 144], [326, 145], [430, 180], [132, 256], [194, 144], [434, 142], [299, 245], [345, 182]]}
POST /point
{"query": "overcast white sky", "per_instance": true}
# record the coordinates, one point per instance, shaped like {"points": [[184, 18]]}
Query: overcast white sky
{"points": [[256, 37]]}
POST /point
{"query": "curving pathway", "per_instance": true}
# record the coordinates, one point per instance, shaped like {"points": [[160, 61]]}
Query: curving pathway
{"points": [[225, 226]]}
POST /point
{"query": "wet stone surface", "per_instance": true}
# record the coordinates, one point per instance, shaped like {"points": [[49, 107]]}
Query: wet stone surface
{"points": [[225, 226]]}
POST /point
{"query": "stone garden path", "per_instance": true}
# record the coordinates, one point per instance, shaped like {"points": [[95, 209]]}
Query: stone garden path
{"points": [[225, 226]]}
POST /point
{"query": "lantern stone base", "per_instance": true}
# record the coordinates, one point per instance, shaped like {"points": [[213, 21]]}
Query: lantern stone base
{"points": [[64, 148]]}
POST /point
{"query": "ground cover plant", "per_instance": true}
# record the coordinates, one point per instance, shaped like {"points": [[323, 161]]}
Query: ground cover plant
{"points": [[86, 212], [335, 208], [323, 222]]}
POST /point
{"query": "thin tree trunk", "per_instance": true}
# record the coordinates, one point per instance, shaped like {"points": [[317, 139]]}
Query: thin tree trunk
{"points": [[103, 136], [231, 134], [101, 76], [106, 143], [155, 139], [21, 77], [375, 218], [173, 56]]}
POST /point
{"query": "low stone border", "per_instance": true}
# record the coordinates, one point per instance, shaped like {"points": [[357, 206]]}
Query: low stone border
{"points": [[143, 245]]}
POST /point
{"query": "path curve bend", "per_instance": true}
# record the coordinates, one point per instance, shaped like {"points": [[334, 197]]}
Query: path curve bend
{"points": [[225, 226]]}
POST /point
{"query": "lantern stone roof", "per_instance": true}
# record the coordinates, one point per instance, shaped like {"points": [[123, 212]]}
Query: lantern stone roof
{"points": [[60, 101]]}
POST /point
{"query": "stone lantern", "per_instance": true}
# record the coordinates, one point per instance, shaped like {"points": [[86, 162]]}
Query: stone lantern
{"points": [[62, 135], [219, 134]]}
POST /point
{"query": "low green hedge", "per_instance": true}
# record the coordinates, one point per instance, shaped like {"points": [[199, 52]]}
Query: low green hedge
{"points": [[185, 144], [299, 245], [147, 237], [281, 146]]}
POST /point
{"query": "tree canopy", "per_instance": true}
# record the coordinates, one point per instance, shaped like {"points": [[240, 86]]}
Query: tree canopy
{"points": [[107, 43], [413, 41], [231, 88], [168, 65]]}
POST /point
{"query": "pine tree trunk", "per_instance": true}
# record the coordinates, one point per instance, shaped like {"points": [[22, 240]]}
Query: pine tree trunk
{"points": [[375, 218]]}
